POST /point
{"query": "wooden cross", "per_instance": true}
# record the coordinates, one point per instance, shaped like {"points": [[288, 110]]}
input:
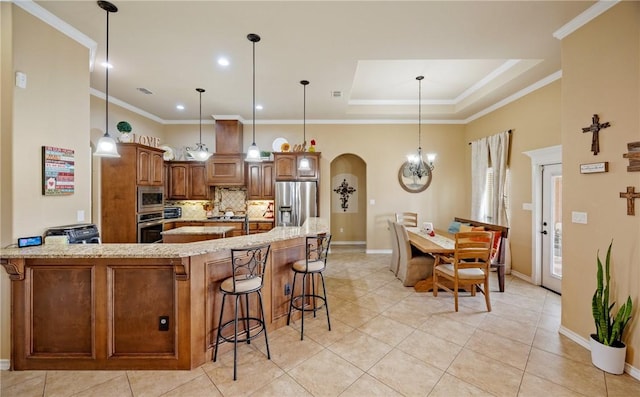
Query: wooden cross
{"points": [[630, 195], [595, 128]]}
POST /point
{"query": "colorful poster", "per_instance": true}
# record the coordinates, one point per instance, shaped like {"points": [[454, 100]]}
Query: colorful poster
{"points": [[57, 171]]}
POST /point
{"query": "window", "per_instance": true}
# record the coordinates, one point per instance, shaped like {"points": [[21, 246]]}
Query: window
{"points": [[489, 206]]}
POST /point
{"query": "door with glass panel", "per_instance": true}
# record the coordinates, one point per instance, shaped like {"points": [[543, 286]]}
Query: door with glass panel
{"points": [[551, 227]]}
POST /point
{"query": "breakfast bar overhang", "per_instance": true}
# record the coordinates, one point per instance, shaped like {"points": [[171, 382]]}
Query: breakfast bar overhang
{"points": [[134, 306]]}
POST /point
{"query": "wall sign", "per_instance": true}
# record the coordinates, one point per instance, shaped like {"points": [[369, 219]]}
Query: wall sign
{"points": [[58, 169], [593, 168]]}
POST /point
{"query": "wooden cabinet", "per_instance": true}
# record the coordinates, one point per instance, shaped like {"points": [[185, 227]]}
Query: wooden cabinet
{"points": [[286, 166], [150, 167], [260, 181], [228, 137], [187, 181], [226, 170], [260, 227]]}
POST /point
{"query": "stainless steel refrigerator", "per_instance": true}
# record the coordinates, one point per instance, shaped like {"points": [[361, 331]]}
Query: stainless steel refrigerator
{"points": [[295, 202]]}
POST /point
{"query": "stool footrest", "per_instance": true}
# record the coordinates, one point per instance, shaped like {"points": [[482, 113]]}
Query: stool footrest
{"points": [[259, 328], [304, 297]]}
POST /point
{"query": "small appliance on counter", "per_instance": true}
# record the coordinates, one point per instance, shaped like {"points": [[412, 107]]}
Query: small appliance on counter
{"points": [[172, 212], [81, 233]]}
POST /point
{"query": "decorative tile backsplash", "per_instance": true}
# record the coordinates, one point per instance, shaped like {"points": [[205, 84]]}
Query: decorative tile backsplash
{"points": [[232, 199]]}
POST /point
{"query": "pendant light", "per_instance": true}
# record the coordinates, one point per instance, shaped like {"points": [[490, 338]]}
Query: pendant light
{"points": [[106, 146], [417, 166], [304, 162], [253, 153], [200, 152]]}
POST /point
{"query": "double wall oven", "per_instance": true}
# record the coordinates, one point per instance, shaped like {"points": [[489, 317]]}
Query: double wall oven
{"points": [[150, 214]]}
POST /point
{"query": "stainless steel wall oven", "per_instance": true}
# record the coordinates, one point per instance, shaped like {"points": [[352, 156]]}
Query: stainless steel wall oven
{"points": [[150, 227]]}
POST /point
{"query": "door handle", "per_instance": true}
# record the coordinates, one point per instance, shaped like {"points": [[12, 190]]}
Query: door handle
{"points": [[544, 232]]}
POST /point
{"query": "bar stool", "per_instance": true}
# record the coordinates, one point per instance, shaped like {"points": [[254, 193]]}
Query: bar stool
{"points": [[248, 267], [317, 248]]}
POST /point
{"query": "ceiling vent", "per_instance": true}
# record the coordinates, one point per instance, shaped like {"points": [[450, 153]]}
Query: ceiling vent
{"points": [[144, 90], [336, 94]]}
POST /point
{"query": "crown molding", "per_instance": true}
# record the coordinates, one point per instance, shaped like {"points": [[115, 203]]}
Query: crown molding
{"points": [[585, 17], [122, 104]]}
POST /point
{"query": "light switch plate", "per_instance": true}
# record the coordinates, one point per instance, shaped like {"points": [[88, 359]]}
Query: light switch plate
{"points": [[21, 80], [579, 217]]}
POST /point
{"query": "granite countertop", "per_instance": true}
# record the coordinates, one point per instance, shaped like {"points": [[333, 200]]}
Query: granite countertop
{"points": [[280, 233], [270, 220], [199, 230]]}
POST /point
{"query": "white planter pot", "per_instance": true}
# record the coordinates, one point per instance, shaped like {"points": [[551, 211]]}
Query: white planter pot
{"points": [[607, 358], [126, 138]]}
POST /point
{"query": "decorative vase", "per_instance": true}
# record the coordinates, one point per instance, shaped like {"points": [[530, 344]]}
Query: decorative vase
{"points": [[608, 358], [125, 137]]}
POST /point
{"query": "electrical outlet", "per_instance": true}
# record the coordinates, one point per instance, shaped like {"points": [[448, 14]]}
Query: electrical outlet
{"points": [[287, 289], [341, 230], [163, 323]]}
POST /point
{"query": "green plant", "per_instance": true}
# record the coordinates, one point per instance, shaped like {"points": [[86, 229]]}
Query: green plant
{"points": [[124, 127], [609, 327]]}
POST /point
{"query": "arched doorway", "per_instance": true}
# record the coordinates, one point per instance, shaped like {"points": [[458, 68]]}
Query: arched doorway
{"points": [[348, 182]]}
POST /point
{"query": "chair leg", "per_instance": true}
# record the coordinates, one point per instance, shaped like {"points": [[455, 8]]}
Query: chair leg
{"points": [[246, 321], [486, 294], [215, 350], [455, 293], [326, 302], [435, 283], [235, 339], [266, 338], [293, 288]]}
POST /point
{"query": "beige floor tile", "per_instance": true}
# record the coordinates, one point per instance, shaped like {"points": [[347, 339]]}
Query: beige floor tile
{"points": [[66, 383], [405, 315], [549, 322], [512, 311], [288, 351], [431, 349], [464, 314], [554, 342], [395, 291], [450, 386], [317, 331], [360, 349], [155, 383], [622, 385], [12, 378], [325, 374], [576, 376], [29, 386], [368, 386], [445, 327], [353, 315], [375, 302], [254, 371], [486, 373], [406, 374], [497, 347], [386, 330], [283, 386], [533, 386], [507, 328], [201, 386], [116, 387]]}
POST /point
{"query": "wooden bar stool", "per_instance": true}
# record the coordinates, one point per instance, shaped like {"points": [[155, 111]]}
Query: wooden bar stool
{"points": [[248, 267], [317, 248]]}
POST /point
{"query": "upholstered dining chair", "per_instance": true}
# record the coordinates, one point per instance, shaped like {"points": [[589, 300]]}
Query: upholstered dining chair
{"points": [[409, 219], [411, 269], [467, 268], [395, 254]]}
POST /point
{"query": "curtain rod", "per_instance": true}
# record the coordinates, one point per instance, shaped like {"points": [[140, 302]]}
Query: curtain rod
{"points": [[509, 132]]}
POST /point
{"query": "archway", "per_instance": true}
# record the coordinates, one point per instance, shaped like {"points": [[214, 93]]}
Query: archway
{"points": [[348, 182]]}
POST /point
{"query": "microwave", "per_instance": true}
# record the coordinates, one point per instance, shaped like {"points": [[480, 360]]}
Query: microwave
{"points": [[150, 199]]}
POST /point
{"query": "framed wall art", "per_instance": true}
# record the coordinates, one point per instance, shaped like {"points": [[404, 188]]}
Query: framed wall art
{"points": [[58, 169]]}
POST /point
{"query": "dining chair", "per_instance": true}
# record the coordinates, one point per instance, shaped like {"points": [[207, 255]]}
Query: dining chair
{"points": [[411, 267], [395, 254], [467, 268], [409, 219]]}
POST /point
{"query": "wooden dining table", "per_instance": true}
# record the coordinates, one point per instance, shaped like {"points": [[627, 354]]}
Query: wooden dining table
{"points": [[442, 243]]}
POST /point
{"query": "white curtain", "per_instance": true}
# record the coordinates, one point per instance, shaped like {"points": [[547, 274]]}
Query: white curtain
{"points": [[499, 152], [479, 165]]}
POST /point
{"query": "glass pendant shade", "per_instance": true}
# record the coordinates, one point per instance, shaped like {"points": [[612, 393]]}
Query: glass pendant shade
{"points": [[304, 162], [107, 145], [253, 153], [200, 152]]}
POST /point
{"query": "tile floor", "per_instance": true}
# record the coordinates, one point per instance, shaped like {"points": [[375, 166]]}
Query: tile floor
{"points": [[386, 340]]}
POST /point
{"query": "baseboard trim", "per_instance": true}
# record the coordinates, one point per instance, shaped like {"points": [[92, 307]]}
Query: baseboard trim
{"points": [[378, 251], [333, 242], [628, 368], [521, 276], [5, 365]]}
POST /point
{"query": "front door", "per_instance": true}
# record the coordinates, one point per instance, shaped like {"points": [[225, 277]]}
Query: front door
{"points": [[551, 227]]}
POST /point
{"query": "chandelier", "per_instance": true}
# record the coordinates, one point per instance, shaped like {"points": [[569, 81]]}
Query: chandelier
{"points": [[417, 167]]}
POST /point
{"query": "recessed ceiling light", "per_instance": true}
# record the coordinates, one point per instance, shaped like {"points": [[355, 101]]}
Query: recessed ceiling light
{"points": [[107, 65], [180, 107], [222, 61], [259, 107]]}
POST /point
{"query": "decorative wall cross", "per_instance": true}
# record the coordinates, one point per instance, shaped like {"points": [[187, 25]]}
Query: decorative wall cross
{"points": [[344, 190], [595, 128], [630, 195]]}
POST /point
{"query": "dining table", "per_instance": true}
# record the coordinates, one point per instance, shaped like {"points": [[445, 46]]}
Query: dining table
{"points": [[440, 243]]}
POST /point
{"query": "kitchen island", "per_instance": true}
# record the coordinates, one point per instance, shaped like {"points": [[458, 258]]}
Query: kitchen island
{"points": [[189, 234], [135, 306]]}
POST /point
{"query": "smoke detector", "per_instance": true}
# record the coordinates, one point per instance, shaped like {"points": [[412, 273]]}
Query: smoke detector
{"points": [[336, 94]]}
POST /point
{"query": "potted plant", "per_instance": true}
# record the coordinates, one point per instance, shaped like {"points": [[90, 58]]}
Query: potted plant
{"points": [[124, 128], [607, 349]]}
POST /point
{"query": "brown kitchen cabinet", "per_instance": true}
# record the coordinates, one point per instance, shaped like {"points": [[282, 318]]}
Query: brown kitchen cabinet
{"points": [[226, 170], [286, 166], [150, 166], [229, 136], [260, 227], [187, 181], [260, 180]]}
